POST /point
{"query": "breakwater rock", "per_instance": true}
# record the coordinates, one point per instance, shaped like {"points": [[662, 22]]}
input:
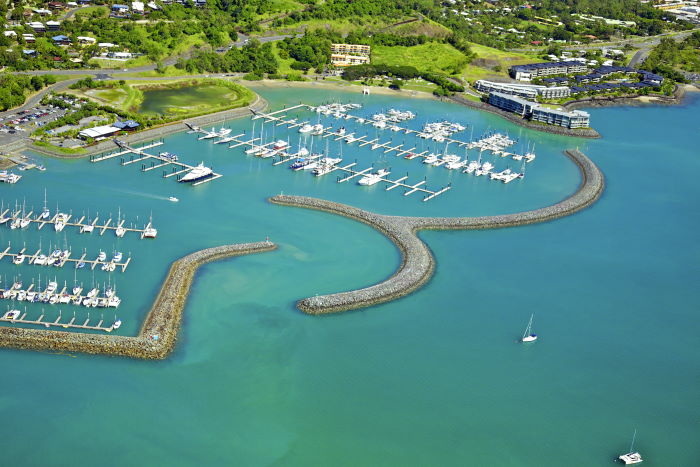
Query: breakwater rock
{"points": [[417, 262], [554, 129], [158, 333]]}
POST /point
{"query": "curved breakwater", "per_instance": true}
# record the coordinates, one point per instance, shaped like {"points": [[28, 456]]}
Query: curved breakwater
{"points": [[158, 334], [417, 262]]}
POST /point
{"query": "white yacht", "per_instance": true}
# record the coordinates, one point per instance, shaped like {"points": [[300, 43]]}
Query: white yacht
{"points": [[500, 175], [40, 260], [511, 176], [632, 457], [15, 223], [431, 159], [61, 220], [485, 168], [19, 259], [150, 232], [120, 231], [325, 165], [455, 164], [197, 173], [528, 335], [51, 288], [280, 144], [87, 228], [114, 301], [117, 324], [77, 289], [306, 128], [11, 314], [318, 129], [102, 256], [373, 177], [173, 199], [117, 257]]}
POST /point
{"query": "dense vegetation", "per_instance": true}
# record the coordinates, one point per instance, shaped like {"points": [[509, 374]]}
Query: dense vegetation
{"points": [[14, 88], [670, 56], [445, 86], [253, 58]]}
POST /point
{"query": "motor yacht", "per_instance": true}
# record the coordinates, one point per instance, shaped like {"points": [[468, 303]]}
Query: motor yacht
{"points": [[373, 177], [197, 173]]}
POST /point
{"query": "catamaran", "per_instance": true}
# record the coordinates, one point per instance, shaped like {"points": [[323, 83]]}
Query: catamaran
{"points": [[528, 335], [196, 173], [632, 457], [306, 128]]}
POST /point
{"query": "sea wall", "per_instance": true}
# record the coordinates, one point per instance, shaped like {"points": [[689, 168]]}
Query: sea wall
{"points": [[159, 331], [417, 262], [259, 105], [557, 130], [611, 101]]}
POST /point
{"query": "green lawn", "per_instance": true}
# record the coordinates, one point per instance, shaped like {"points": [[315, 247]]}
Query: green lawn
{"points": [[488, 60], [278, 7], [434, 57]]}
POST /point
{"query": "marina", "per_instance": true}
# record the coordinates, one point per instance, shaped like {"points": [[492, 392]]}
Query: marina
{"points": [[59, 258], [52, 295], [183, 172], [20, 219]]}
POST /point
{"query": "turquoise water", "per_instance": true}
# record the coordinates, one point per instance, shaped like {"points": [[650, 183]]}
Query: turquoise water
{"points": [[435, 378], [163, 101]]}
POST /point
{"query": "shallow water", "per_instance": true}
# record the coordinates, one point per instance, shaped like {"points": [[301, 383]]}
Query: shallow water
{"points": [[166, 101], [432, 379]]}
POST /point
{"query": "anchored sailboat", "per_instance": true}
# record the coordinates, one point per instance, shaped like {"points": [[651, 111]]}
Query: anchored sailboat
{"points": [[632, 457], [528, 335]]}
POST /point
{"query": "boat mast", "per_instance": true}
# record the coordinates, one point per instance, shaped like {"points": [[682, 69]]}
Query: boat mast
{"points": [[634, 437]]}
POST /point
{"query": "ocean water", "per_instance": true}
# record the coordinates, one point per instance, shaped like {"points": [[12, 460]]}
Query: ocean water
{"points": [[435, 378]]}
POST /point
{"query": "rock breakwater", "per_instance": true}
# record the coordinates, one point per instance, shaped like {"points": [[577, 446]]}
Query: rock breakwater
{"points": [[158, 333], [417, 262]]}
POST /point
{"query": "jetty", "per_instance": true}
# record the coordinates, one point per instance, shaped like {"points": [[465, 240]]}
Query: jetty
{"points": [[60, 258], [72, 323], [154, 161]]}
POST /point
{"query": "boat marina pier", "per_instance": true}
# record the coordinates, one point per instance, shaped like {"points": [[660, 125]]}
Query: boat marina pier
{"points": [[156, 161], [64, 220], [58, 323], [62, 258]]}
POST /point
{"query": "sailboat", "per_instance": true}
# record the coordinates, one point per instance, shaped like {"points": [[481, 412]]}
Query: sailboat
{"points": [[528, 335], [632, 457]]}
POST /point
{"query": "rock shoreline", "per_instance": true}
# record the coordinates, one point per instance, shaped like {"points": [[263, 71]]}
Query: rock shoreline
{"points": [[163, 320], [417, 262], [557, 130]]}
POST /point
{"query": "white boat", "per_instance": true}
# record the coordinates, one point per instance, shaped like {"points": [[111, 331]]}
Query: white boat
{"points": [[280, 144], [632, 457], [51, 288], [511, 176], [11, 314], [173, 199], [117, 257], [61, 220], [318, 129], [431, 159], [93, 293], [114, 301], [117, 324], [326, 165], [40, 260], [197, 173], [458, 164], [528, 335], [15, 223], [77, 290], [150, 232], [19, 259], [500, 175], [120, 231], [254, 149], [102, 256], [373, 177], [306, 128], [87, 228]]}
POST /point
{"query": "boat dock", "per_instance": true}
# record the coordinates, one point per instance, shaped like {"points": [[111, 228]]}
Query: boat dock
{"points": [[84, 225], [63, 259], [71, 324], [156, 161], [418, 187]]}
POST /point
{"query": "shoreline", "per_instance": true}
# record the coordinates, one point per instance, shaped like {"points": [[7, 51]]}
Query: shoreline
{"points": [[596, 102], [338, 86], [417, 262], [163, 320], [259, 105], [513, 118]]}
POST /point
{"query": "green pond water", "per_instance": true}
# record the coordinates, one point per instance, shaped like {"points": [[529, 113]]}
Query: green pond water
{"points": [[435, 378], [168, 101]]}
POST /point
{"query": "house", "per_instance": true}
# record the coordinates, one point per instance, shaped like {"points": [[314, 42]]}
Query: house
{"points": [[99, 132], [41, 12], [56, 6], [351, 49], [29, 52], [53, 25], [106, 45], [37, 26], [85, 40], [10, 34], [137, 7], [118, 9], [348, 60], [120, 55], [29, 38], [61, 40], [127, 125]]}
